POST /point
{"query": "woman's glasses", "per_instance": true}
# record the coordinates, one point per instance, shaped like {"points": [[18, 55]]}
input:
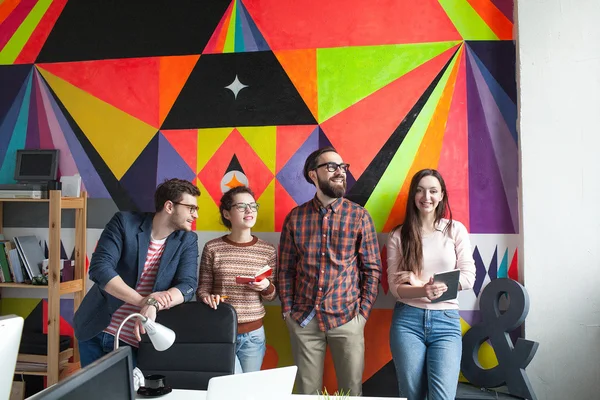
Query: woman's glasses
{"points": [[242, 207]]}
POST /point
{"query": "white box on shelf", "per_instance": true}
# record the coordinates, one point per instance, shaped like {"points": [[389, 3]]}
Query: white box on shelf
{"points": [[71, 185]]}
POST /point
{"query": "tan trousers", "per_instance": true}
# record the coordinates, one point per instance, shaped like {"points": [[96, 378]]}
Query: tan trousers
{"points": [[347, 346]]}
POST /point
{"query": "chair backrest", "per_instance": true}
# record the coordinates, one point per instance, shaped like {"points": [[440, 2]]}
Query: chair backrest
{"points": [[204, 346]]}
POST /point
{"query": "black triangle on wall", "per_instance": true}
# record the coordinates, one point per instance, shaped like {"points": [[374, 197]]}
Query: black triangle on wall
{"points": [[268, 99], [383, 383], [140, 178], [97, 30], [234, 165]]}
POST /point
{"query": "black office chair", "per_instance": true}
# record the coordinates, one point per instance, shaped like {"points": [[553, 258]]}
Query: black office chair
{"points": [[204, 346]]}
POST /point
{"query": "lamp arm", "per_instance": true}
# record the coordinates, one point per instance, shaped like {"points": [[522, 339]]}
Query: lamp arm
{"points": [[144, 319]]}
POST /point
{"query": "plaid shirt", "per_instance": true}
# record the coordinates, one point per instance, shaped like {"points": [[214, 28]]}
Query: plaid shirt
{"points": [[328, 262]]}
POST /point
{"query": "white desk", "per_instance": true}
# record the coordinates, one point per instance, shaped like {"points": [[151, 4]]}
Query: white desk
{"points": [[180, 394]]}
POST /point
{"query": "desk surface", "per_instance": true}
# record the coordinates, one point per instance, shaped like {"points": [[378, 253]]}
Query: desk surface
{"points": [[180, 394]]}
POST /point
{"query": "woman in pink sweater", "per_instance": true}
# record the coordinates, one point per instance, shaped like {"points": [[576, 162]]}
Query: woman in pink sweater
{"points": [[239, 254], [425, 335]]}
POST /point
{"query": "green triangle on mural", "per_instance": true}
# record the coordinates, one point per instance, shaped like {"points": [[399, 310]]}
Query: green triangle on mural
{"points": [[382, 199], [346, 75], [467, 21]]}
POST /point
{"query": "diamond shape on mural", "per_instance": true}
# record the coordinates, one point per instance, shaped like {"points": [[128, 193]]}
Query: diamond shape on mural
{"points": [[291, 176], [256, 172]]}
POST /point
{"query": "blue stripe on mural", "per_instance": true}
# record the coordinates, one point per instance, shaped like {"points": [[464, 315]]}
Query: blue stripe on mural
{"points": [[505, 104], [249, 41], [488, 206], [8, 125], [239, 35], [17, 140]]}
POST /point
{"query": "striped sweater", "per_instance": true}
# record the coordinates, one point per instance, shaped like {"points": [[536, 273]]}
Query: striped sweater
{"points": [[144, 287], [222, 260]]}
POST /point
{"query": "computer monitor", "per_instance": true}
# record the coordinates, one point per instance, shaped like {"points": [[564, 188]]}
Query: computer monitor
{"points": [[11, 328], [36, 165], [110, 377]]}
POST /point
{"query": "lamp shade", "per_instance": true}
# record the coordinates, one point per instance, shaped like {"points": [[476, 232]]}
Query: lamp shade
{"points": [[161, 337]]}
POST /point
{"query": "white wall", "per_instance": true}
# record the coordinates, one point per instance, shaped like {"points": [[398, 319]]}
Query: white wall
{"points": [[559, 67]]}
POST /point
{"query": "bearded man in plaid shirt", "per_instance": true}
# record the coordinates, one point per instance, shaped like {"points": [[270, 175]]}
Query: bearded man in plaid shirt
{"points": [[328, 277]]}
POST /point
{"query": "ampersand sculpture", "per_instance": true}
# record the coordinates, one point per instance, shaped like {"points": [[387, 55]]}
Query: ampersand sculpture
{"points": [[512, 360]]}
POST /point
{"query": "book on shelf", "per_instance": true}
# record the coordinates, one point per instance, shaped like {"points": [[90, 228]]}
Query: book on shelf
{"points": [[16, 265], [5, 273], [31, 254], [261, 274]]}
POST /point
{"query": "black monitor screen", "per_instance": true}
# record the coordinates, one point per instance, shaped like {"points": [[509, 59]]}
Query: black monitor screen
{"points": [[111, 377], [36, 165]]}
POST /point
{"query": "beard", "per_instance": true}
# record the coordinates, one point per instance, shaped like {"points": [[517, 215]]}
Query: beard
{"points": [[330, 190]]}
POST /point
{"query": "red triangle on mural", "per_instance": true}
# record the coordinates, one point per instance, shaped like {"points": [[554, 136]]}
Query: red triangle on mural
{"points": [[185, 143], [288, 141], [173, 74], [284, 203], [513, 270], [129, 84], [379, 114], [65, 328]]}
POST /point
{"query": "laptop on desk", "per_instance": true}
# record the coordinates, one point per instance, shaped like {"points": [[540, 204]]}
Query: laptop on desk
{"points": [[269, 384]]}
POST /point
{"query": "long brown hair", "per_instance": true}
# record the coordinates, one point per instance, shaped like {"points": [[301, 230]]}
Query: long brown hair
{"points": [[410, 230]]}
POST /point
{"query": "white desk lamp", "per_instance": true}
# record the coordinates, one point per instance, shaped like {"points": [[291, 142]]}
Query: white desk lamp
{"points": [[161, 337]]}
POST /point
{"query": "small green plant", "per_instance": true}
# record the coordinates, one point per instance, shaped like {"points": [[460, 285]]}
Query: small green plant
{"points": [[337, 395]]}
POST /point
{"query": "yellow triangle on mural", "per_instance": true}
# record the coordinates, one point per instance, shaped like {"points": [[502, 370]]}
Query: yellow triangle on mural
{"points": [[102, 123], [18, 306], [266, 213], [209, 219], [209, 141], [262, 140]]}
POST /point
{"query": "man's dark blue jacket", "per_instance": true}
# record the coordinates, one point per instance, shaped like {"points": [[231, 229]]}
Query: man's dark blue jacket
{"points": [[122, 251]]}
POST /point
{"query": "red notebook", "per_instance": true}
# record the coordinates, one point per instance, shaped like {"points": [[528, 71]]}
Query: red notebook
{"points": [[263, 273]]}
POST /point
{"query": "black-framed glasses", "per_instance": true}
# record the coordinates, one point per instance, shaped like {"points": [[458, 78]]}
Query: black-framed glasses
{"points": [[332, 167], [192, 207], [242, 207]]}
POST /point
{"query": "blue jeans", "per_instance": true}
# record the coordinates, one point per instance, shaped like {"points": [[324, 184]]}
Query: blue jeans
{"points": [[101, 344], [426, 347], [250, 350]]}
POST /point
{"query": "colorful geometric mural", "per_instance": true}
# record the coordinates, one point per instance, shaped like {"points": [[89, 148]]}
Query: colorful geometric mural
{"points": [[267, 82], [231, 91]]}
